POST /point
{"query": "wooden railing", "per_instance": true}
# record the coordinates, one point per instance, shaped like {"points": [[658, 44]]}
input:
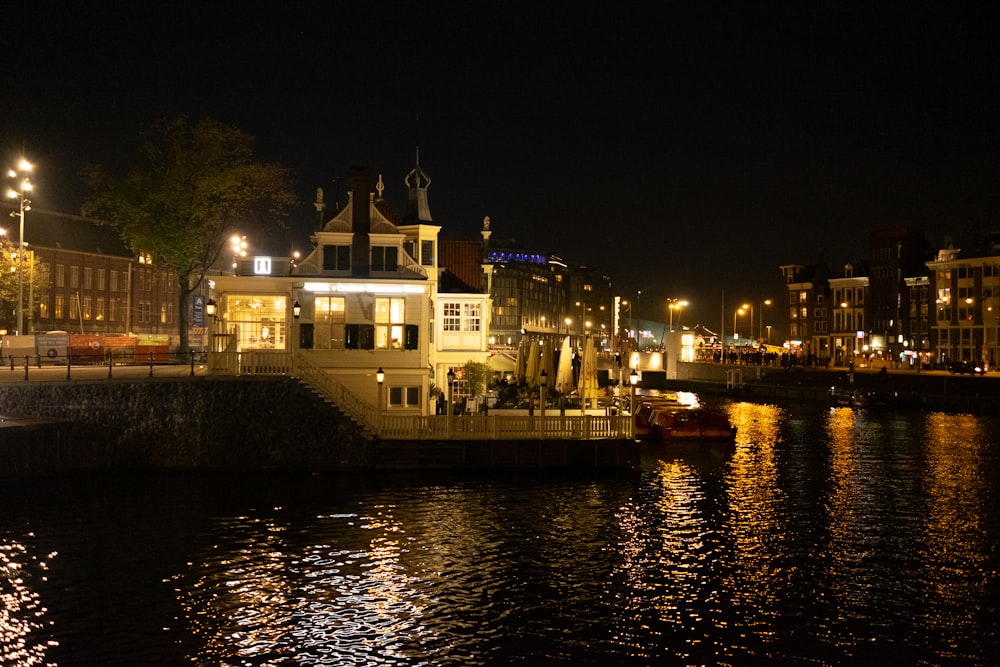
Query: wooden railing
{"points": [[505, 427], [361, 411]]}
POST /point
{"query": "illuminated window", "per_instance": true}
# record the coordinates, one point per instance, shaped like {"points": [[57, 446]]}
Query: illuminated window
{"points": [[471, 317], [259, 321], [99, 312], [389, 320], [329, 322], [60, 306], [60, 276], [452, 317], [86, 308]]}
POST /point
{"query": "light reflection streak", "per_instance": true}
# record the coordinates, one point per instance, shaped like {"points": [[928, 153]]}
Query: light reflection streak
{"points": [[22, 615], [667, 547], [754, 522], [956, 557], [273, 599]]}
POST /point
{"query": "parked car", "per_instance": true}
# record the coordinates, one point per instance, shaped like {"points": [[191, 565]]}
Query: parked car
{"points": [[963, 367]]}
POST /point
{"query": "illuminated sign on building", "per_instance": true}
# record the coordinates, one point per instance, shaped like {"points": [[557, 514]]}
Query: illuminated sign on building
{"points": [[262, 266]]}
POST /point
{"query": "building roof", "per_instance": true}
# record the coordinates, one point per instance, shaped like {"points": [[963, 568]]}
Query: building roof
{"points": [[461, 262], [64, 231]]}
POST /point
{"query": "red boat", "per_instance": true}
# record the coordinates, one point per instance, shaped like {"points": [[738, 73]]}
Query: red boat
{"points": [[669, 420]]}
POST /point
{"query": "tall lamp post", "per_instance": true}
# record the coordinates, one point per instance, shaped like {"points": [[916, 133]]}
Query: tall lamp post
{"points": [[20, 191], [451, 390], [633, 380], [380, 379], [672, 305], [543, 381], [760, 325]]}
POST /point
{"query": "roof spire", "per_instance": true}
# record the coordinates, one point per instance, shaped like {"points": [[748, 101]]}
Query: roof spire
{"points": [[418, 210]]}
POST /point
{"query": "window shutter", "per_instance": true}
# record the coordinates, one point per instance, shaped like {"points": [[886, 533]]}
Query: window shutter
{"points": [[411, 335]]}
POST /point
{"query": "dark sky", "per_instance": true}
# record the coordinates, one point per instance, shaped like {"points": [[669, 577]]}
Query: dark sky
{"points": [[687, 149]]}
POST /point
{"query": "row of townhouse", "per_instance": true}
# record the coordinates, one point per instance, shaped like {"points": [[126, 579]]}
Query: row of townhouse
{"points": [[905, 304]]}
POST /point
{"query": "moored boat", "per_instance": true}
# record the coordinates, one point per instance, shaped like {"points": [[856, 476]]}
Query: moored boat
{"points": [[672, 421]]}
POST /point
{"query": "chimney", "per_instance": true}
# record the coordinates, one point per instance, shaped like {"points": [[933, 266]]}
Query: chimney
{"points": [[361, 223]]}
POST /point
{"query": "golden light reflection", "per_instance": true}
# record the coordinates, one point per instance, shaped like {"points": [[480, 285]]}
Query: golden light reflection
{"points": [[956, 518], [666, 547], [22, 615], [754, 524], [267, 597]]}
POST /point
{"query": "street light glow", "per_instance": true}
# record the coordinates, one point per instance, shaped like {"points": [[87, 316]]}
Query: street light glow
{"points": [[20, 193]]}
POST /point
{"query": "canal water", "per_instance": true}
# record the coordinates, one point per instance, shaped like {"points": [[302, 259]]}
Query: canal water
{"points": [[826, 537]]}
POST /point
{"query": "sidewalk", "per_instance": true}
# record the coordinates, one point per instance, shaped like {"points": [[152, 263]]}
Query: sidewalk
{"points": [[60, 373]]}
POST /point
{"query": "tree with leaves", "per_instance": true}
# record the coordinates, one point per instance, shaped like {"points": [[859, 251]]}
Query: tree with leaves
{"points": [[35, 286], [196, 181], [477, 377]]}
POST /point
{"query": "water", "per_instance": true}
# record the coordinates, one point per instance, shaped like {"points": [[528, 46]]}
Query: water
{"points": [[825, 537]]}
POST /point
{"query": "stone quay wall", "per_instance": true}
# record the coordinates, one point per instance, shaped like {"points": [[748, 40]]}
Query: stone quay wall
{"points": [[236, 424], [198, 423]]}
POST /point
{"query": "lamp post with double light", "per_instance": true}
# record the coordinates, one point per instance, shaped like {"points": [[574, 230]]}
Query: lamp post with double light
{"points": [[672, 305], [19, 190]]}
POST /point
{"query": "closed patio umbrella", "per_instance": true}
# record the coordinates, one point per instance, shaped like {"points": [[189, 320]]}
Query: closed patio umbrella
{"points": [[521, 365], [534, 355], [588, 374], [564, 374]]}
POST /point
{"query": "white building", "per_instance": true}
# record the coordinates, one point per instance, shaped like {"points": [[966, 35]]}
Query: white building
{"points": [[366, 299]]}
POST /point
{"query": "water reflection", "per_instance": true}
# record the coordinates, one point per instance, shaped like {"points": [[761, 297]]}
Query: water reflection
{"points": [[22, 615], [267, 592], [957, 556], [822, 537]]}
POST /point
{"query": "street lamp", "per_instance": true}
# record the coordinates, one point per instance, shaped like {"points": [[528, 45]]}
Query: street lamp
{"points": [[672, 305], [20, 191], [760, 325], [379, 378], [633, 380], [451, 389], [238, 244], [749, 306], [543, 381], [736, 335]]}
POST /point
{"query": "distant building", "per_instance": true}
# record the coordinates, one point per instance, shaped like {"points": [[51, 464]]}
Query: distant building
{"points": [[965, 316], [96, 285], [896, 253], [808, 309]]}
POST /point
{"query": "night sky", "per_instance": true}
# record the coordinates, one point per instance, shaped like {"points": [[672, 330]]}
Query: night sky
{"points": [[686, 149]]}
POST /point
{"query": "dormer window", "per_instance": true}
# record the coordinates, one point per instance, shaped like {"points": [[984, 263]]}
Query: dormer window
{"points": [[385, 258], [336, 258]]}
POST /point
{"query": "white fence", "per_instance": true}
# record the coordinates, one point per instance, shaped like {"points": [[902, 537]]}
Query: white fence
{"points": [[411, 427]]}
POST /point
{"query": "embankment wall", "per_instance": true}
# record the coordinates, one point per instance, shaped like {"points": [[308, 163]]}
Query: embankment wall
{"points": [[200, 423]]}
